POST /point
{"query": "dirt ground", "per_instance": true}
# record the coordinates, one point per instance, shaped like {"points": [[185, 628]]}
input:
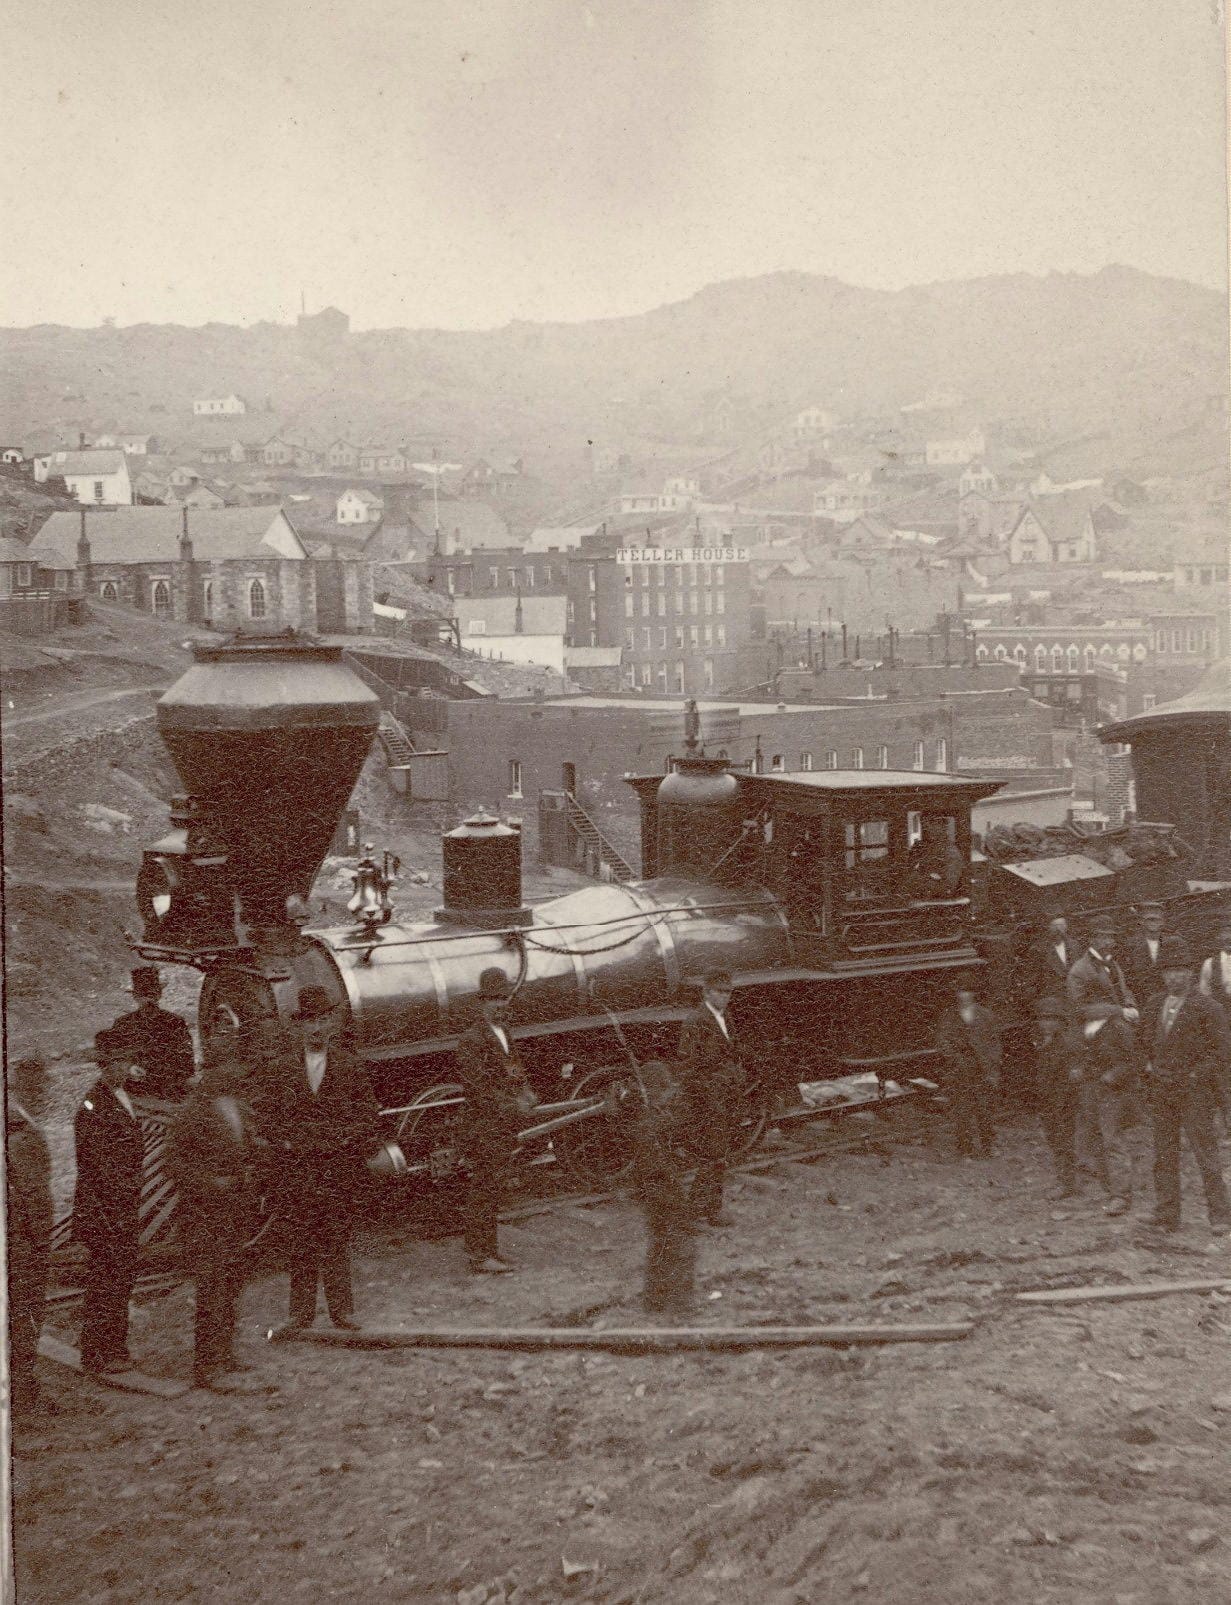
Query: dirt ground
{"points": [[1079, 1456]]}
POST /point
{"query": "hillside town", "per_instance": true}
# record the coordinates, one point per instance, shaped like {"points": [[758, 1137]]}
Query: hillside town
{"points": [[615, 726], [915, 590]]}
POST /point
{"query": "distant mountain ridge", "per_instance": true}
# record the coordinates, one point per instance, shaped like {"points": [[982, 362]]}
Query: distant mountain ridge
{"points": [[1119, 352]]}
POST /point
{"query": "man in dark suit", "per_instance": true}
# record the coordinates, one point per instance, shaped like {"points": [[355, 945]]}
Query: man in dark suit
{"points": [[29, 1230], [1140, 958], [1215, 982], [1106, 1014], [106, 1204], [318, 1113], [651, 1114], [1059, 1087], [968, 1041], [1054, 957], [158, 1040], [211, 1155], [713, 1088], [1215, 979], [1189, 1043], [498, 1096]]}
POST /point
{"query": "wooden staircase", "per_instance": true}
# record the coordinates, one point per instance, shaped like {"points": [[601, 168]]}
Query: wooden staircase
{"points": [[600, 850], [395, 743]]}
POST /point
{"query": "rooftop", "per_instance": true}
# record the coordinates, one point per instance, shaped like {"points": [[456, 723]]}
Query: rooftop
{"points": [[85, 462], [152, 534]]}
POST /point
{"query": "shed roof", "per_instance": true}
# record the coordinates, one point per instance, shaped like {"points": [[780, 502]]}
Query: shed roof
{"points": [[152, 534], [86, 462], [1208, 703], [468, 523]]}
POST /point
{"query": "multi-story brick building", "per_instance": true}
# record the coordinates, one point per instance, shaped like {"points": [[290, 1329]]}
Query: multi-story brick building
{"points": [[684, 626], [502, 754]]}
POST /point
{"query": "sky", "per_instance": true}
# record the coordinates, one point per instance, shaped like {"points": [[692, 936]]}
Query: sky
{"points": [[465, 163]]}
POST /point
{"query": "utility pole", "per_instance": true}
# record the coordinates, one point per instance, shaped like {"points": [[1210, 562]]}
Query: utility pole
{"points": [[436, 494]]}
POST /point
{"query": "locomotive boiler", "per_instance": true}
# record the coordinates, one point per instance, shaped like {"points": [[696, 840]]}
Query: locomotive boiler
{"points": [[840, 900]]}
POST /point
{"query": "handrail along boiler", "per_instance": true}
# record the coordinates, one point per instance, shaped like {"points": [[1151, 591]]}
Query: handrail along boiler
{"points": [[839, 899]]}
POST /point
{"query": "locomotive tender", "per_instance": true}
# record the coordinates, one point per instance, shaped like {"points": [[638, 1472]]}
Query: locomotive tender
{"points": [[840, 900]]}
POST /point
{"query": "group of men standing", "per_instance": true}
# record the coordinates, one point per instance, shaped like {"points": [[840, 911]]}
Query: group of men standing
{"points": [[291, 1112], [1118, 1039]]}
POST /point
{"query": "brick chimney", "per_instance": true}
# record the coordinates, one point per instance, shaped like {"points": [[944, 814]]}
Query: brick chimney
{"points": [[185, 538], [84, 557]]}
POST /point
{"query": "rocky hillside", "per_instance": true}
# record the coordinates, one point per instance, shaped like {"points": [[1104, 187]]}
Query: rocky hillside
{"points": [[1062, 355]]}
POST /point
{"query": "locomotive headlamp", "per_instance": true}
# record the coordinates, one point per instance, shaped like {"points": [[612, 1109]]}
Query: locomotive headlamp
{"points": [[157, 882], [370, 902]]}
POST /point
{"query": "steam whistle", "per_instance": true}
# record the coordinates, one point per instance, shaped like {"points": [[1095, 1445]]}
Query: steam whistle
{"points": [[370, 902]]}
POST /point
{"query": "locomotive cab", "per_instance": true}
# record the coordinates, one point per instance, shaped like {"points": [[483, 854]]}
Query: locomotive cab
{"points": [[866, 865], [869, 864]]}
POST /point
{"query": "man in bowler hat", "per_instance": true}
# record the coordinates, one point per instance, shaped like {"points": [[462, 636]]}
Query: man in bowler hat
{"points": [[29, 1230], [158, 1040], [1058, 1062], [1106, 1015], [650, 1113], [713, 1087], [1188, 1044], [106, 1204], [498, 1096], [968, 1041], [318, 1114], [212, 1149]]}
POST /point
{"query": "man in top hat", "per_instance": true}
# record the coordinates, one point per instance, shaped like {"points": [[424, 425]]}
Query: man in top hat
{"points": [[1141, 954], [968, 1041], [498, 1096], [212, 1148], [106, 1203], [158, 1040], [1188, 1044], [713, 1090], [1106, 1014], [29, 1229], [1058, 1060], [318, 1113]]}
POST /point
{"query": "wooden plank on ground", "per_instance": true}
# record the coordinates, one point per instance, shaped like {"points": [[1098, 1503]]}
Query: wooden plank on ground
{"points": [[1082, 1295], [641, 1340], [51, 1348]]}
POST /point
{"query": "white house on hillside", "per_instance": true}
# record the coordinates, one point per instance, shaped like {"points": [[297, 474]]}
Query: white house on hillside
{"points": [[957, 451], [219, 406], [1055, 530], [97, 477], [813, 422], [845, 500], [359, 507]]}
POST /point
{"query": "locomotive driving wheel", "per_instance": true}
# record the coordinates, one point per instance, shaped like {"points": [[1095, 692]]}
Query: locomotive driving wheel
{"points": [[595, 1151], [425, 1129]]}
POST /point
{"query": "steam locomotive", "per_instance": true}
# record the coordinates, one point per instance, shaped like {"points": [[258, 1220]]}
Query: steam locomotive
{"points": [[844, 902]]}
